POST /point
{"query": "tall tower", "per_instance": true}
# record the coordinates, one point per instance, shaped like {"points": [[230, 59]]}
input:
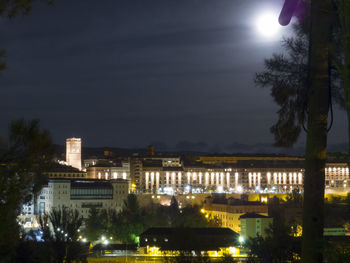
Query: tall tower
{"points": [[73, 152]]}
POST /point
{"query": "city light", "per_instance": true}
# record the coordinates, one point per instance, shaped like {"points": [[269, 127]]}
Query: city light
{"points": [[154, 251], [239, 189]]}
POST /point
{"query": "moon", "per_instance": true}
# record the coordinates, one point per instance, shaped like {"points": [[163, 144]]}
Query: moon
{"points": [[267, 25]]}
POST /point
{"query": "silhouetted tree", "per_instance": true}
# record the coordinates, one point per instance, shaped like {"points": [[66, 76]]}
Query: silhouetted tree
{"points": [[94, 227], [226, 258], [278, 246], [11, 9], [191, 216], [343, 64], [286, 74], [129, 223], [289, 95], [26, 154], [60, 229]]}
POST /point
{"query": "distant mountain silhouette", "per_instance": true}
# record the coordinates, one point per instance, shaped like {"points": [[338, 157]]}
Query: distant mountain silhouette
{"points": [[198, 148]]}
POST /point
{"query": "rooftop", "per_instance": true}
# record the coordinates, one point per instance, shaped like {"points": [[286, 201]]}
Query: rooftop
{"points": [[253, 215], [193, 230]]}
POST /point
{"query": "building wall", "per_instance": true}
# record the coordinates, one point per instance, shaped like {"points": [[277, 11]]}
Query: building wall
{"points": [[58, 193], [229, 214], [252, 227], [66, 175]]}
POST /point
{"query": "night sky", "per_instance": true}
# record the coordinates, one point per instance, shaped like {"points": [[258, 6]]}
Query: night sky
{"points": [[174, 73]]}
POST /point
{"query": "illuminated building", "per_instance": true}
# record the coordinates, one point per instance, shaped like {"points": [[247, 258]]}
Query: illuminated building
{"points": [[228, 211], [106, 171], [337, 175], [140, 165], [63, 171], [82, 195], [252, 175], [73, 152], [231, 174], [254, 225], [159, 241]]}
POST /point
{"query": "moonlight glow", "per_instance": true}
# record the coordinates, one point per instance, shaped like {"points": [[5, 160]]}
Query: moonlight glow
{"points": [[267, 25]]}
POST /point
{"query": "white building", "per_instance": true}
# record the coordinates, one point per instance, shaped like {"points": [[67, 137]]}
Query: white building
{"points": [[83, 195]]}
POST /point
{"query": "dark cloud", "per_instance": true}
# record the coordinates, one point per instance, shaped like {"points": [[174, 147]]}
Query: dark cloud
{"points": [[126, 73]]}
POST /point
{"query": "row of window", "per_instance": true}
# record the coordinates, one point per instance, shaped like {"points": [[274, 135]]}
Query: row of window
{"points": [[67, 175]]}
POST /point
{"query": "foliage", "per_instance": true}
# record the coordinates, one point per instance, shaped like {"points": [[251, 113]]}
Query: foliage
{"points": [[60, 230], [343, 64], [191, 216], [287, 75], [23, 157], [281, 243], [128, 224], [2, 60], [30, 251], [278, 246], [337, 252], [226, 258], [337, 212], [96, 224], [187, 257], [13, 8]]}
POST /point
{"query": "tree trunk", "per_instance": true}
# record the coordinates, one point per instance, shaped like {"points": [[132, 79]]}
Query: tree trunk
{"points": [[344, 19], [316, 142]]}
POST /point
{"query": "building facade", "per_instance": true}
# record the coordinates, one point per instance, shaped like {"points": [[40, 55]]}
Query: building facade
{"points": [[254, 225], [232, 175], [228, 211], [63, 171], [108, 171], [82, 195]]}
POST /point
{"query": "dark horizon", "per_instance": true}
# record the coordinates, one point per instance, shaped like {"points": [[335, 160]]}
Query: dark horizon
{"points": [[190, 147]]}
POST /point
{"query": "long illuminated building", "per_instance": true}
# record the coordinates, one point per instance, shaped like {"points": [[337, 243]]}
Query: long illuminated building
{"points": [[238, 174]]}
